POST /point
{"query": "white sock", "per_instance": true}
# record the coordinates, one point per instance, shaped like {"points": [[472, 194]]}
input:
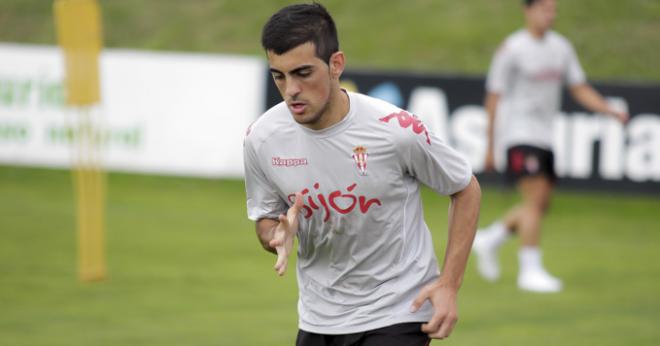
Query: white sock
{"points": [[530, 258], [497, 234]]}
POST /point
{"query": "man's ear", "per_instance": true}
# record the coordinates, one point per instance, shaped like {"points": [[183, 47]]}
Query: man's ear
{"points": [[337, 63]]}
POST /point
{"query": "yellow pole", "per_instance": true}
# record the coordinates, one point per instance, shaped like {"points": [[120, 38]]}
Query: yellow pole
{"points": [[79, 35]]}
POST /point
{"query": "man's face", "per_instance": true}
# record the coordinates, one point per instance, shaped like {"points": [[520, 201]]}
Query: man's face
{"points": [[542, 14], [304, 81]]}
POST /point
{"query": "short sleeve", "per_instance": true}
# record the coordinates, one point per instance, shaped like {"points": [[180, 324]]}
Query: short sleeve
{"points": [[433, 162], [501, 70], [263, 201], [574, 72]]}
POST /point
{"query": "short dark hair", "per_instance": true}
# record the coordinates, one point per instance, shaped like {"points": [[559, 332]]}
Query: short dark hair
{"points": [[298, 24], [528, 3]]}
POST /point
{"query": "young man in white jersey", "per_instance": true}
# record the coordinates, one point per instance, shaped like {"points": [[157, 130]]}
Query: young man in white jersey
{"points": [[523, 91], [342, 172]]}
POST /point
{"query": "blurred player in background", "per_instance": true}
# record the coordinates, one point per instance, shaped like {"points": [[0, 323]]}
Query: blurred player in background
{"points": [[342, 172], [524, 89]]}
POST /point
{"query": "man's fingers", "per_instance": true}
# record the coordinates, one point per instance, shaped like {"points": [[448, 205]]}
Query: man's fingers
{"points": [[444, 331], [419, 300], [446, 327], [298, 203], [284, 221], [278, 239], [282, 261], [432, 326], [440, 327], [283, 233], [292, 213], [438, 336]]}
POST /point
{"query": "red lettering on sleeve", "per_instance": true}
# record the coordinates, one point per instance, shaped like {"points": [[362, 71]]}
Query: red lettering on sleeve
{"points": [[406, 120]]}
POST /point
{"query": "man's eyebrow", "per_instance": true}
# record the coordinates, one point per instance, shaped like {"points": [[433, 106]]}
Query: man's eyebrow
{"points": [[295, 70], [304, 67]]}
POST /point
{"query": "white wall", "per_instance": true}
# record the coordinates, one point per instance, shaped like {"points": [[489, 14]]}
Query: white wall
{"points": [[161, 112]]}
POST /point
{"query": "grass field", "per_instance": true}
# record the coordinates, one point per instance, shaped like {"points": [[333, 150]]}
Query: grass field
{"points": [[616, 40], [186, 269]]}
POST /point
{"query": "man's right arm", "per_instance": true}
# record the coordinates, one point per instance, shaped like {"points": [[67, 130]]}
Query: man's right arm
{"points": [[265, 231], [492, 99], [499, 77], [262, 199]]}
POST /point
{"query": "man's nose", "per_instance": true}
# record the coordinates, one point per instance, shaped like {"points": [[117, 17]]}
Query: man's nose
{"points": [[292, 87]]}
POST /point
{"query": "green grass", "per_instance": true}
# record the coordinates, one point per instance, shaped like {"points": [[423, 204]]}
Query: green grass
{"points": [[185, 268], [616, 40]]}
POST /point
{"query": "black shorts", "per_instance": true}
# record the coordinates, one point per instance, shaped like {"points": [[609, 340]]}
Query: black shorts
{"points": [[408, 334], [526, 161]]}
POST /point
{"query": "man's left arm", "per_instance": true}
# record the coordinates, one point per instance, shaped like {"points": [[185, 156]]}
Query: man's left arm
{"points": [[590, 99], [463, 218]]}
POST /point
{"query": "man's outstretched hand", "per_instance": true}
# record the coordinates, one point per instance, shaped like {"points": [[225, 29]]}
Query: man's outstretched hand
{"points": [[284, 234]]}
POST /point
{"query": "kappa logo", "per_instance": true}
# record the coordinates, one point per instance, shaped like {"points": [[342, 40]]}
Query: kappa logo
{"points": [[360, 156], [406, 120], [284, 162]]}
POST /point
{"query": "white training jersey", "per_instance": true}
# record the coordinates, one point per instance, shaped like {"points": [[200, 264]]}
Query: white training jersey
{"points": [[528, 74], [364, 249]]}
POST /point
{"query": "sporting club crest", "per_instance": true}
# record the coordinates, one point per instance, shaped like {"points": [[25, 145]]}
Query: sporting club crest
{"points": [[360, 156]]}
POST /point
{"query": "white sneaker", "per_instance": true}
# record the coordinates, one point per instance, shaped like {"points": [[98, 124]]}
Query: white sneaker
{"points": [[487, 260], [538, 280]]}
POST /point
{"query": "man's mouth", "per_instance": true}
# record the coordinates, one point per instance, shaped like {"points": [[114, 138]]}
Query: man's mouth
{"points": [[297, 107]]}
